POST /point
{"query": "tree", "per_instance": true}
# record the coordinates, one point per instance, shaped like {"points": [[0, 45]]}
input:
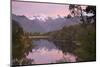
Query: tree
{"points": [[91, 9], [72, 9], [76, 10], [21, 45]]}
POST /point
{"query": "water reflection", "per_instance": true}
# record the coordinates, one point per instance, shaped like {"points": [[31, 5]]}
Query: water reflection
{"points": [[46, 52]]}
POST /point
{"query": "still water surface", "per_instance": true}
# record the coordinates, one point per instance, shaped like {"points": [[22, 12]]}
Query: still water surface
{"points": [[46, 52]]}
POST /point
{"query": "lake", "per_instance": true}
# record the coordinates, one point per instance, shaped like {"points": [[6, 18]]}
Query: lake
{"points": [[46, 52]]}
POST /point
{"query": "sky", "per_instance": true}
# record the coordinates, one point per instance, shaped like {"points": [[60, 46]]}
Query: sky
{"points": [[44, 10], [30, 9]]}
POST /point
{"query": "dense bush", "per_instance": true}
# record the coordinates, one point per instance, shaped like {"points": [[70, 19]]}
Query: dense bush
{"points": [[77, 39], [21, 45]]}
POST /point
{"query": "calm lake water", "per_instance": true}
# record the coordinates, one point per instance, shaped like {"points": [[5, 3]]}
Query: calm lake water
{"points": [[46, 52]]}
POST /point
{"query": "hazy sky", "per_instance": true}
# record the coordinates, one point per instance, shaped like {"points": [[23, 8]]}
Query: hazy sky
{"points": [[31, 9]]}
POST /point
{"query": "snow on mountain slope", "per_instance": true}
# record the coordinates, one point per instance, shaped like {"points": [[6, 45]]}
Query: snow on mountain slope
{"points": [[38, 25], [28, 25]]}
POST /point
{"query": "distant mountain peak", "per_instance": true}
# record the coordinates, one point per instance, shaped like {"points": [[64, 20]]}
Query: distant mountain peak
{"points": [[44, 23]]}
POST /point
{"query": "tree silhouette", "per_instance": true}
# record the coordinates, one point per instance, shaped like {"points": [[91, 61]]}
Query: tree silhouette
{"points": [[91, 9], [76, 10]]}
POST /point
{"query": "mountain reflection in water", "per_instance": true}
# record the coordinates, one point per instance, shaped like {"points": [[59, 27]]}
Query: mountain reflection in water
{"points": [[46, 52]]}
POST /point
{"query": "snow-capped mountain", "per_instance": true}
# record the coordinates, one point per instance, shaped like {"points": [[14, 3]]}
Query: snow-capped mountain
{"points": [[29, 25], [38, 25]]}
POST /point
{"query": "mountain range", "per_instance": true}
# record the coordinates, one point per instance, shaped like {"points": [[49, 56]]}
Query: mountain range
{"points": [[38, 25]]}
